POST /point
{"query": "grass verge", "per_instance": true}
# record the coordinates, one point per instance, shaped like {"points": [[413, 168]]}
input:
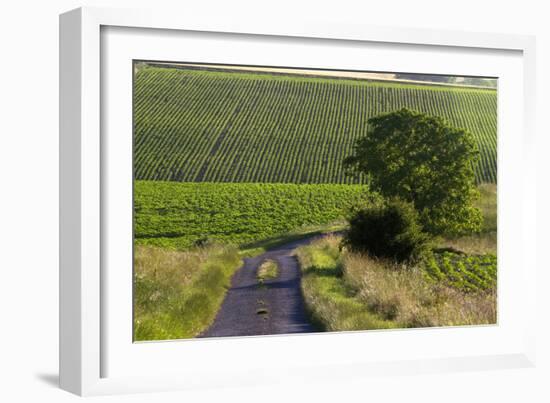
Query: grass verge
{"points": [[407, 296], [268, 270], [330, 301], [347, 291], [178, 294]]}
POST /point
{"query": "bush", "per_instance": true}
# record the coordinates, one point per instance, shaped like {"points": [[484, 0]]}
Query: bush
{"points": [[390, 230]]}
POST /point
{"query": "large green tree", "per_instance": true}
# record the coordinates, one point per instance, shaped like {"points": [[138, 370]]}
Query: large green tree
{"points": [[424, 160]]}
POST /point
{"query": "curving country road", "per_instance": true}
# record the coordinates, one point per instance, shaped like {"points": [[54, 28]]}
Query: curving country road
{"points": [[276, 307]]}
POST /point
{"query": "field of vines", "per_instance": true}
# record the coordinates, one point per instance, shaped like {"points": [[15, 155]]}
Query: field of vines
{"points": [[220, 126], [178, 215]]}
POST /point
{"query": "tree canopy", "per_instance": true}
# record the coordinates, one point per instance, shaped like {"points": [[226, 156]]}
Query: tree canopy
{"points": [[425, 161]]}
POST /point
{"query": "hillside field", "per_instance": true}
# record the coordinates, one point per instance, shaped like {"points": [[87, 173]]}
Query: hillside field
{"points": [[229, 126]]}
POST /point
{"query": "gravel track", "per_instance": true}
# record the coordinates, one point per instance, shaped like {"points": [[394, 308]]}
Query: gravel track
{"points": [[276, 307]]}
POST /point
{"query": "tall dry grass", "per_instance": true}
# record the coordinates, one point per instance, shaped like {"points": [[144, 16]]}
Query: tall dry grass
{"points": [[407, 297], [349, 291], [177, 294], [331, 302]]}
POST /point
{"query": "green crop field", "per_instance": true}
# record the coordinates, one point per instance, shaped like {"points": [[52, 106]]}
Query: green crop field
{"points": [[465, 272], [177, 215], [220, 126]]}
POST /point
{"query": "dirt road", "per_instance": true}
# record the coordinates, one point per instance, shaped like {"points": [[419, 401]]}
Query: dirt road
{"points": [[276, 307]]}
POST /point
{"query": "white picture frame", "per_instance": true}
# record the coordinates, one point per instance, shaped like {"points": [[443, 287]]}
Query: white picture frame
{"points": [[84, 182]]}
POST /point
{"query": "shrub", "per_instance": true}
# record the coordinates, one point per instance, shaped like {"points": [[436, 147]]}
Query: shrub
{"points": [[390, 230]]}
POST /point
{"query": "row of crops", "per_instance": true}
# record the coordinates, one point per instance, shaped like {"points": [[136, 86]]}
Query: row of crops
{"points": [[219, 126], [178, 215], [465, 272]]}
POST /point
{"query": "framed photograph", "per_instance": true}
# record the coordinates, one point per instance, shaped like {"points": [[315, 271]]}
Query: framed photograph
{"points": [[241, 198]]}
